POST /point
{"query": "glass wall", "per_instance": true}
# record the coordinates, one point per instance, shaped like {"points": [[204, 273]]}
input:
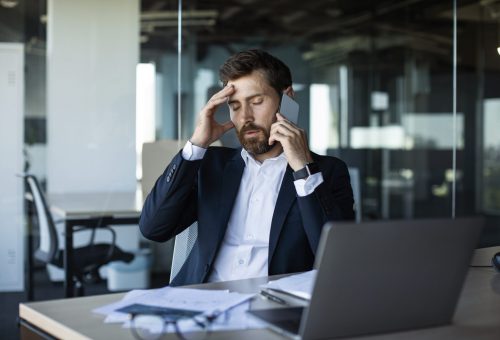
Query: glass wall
{"points": [[374, 81], [478, 99]]}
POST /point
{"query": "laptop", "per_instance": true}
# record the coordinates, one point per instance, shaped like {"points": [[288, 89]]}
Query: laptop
{"points": [[380, 277]]}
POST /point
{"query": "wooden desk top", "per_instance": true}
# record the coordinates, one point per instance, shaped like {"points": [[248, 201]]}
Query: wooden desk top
{"points": [[73, 319], [96, 204], [477, 315]]}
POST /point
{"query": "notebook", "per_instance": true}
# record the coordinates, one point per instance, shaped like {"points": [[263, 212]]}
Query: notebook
{"points": [[381, 277]]}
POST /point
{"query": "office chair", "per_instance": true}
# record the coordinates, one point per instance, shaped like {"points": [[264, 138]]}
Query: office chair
{"points": [[356, 191], [155, 157], [184, 242], [86, 260]]}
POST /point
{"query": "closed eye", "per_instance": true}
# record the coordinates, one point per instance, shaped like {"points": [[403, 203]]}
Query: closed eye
{"points": [[257, 100]]}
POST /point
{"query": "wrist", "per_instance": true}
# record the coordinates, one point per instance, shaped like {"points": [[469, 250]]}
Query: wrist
{"points": [[199, 143], [306, 171], [297, 165]]}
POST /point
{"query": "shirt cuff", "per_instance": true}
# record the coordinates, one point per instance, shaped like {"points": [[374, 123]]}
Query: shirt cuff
{"points": [[307, 186], [191, 152]]}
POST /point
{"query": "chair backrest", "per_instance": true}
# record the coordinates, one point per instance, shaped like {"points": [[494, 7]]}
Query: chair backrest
{"points": [[184, 242], [155, 158], [48, 237], [356, 191]]}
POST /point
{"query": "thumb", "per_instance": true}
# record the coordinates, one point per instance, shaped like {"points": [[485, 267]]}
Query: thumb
{"points": [[227, 126]]}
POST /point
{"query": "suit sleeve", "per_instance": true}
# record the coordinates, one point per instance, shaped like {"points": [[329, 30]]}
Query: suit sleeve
{"points": [[331, 200], [171, 205]]}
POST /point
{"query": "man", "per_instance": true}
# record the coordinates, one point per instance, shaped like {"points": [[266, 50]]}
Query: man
{"points": [[260, 209]]}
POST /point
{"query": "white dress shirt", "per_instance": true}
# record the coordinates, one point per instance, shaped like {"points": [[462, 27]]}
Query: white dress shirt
{"points": [[245, 247]]}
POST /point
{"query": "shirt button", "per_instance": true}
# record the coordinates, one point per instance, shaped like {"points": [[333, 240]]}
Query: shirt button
{"points": [[250, 236], [241, 261]]}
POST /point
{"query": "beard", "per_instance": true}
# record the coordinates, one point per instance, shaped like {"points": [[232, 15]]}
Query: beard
{"points": [[256, 145]]}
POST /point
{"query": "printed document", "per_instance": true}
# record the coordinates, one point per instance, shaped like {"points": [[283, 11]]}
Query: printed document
{"points": [[299, 285], [233, 305]]}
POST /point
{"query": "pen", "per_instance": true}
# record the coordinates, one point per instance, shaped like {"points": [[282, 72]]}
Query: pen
{"points": [[273, 298]]}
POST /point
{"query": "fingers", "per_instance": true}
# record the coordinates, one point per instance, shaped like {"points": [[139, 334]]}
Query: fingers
{"points": [[294, 142], [285, 128], [276, 137], [218, 99], [213, 103], [288, 134], [227, 126], [223, 94]]}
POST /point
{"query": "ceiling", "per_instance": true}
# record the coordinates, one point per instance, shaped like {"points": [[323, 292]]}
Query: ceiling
{"points": [[325, 30]]}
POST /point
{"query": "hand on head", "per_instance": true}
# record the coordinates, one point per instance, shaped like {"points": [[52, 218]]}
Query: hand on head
{"points": [[208, 129]]}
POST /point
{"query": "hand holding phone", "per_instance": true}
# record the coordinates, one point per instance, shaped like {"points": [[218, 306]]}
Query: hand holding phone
{"points": [[289, 108]]}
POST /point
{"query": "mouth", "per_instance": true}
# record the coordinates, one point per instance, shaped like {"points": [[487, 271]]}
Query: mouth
{"points": [[251, 133]]}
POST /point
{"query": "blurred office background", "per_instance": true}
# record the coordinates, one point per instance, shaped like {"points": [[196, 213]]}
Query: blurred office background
{"points": [[406, 92]]}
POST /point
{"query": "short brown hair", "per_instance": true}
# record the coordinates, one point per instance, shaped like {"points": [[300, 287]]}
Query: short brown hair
{"points": [[245, 62]]}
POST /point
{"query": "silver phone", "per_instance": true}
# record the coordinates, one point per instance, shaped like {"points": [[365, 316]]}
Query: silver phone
{"points": [[289, 108]]}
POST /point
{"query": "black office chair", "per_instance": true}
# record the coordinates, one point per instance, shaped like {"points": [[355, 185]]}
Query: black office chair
{"points": [[86, 260]]}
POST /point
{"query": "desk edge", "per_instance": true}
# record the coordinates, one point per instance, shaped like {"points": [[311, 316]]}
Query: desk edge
{"points": [[47, 324]]}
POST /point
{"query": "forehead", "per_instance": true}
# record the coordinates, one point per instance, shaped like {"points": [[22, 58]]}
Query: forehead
{"points": [[254, 83]]}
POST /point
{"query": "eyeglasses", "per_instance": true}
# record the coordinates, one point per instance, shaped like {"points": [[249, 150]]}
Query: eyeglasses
{"points": [[187, 325]]}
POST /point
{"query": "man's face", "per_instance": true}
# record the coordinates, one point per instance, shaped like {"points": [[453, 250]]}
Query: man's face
{"points": [[253, 108]]}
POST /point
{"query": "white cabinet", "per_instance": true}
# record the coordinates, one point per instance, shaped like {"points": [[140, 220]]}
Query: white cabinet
{"points": [[11, 160]]}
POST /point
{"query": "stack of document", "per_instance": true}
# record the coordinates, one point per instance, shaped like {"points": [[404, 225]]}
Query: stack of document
{"points": [[299, 285], [205, 301]]}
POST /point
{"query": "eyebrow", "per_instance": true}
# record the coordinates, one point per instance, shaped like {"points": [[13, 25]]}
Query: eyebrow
{"points": [[246, 98]]}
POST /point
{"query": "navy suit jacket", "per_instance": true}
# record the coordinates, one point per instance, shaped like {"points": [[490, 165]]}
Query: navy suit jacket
{"points": [[205, 191]]}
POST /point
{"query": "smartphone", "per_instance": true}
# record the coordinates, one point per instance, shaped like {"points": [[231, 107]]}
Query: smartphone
{"points": [[289, 108]]}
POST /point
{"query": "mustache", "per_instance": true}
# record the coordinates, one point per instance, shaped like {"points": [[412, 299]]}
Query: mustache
{"points": [[250, 127]]}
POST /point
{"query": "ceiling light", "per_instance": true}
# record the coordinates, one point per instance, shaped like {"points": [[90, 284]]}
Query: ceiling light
{"points": [[173, 15], [498, 49], [9, 3]]}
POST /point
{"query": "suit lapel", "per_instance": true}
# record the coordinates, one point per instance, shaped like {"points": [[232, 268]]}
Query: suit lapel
{"points": [[230, 184], [286, 197]]}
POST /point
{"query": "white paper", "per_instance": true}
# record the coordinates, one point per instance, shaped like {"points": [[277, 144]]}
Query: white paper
{"points": [[300, 285], [206, 301], [235, 318]]}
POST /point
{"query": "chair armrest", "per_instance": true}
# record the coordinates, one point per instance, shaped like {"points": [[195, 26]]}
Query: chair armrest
{"points": [[92, 237]]}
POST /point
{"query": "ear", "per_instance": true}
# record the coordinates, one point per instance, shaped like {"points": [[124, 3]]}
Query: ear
{"points": [[289, 92]]}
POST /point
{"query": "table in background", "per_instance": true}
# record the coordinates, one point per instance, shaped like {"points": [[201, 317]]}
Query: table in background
{"points": [[477, 315], [89, 209]]}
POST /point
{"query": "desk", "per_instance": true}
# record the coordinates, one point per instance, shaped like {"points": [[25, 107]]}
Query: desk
{"points": [[477, 315], [87, 209]]}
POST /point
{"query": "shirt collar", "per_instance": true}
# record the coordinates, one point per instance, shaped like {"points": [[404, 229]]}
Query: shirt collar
{"points": [[247, 157]]}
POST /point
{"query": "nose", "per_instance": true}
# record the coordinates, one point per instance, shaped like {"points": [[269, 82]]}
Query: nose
{"points": [[246, 114]]}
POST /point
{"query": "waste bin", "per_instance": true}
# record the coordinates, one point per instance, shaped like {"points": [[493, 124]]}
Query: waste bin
{"points": [[133, 275]]}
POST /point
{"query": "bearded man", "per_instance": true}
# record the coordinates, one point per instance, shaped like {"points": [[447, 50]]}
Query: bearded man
{"points": [[260, 208]]}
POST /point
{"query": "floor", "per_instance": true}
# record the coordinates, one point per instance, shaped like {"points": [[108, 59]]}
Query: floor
{"points": [[44, 289]]}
